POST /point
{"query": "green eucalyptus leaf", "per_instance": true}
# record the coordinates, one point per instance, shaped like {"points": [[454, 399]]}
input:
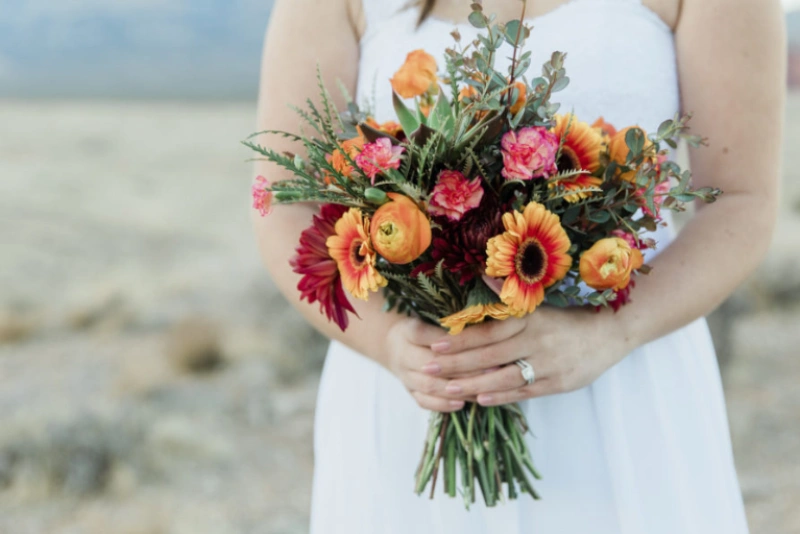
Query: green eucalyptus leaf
{"points": [[665, 127], [635, 141], [514, 32], [557, 299], [561, 84], [477, 19], [600, 217]]}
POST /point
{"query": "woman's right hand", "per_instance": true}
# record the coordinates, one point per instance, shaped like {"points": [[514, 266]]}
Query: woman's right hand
{"points": [[407, 352]]}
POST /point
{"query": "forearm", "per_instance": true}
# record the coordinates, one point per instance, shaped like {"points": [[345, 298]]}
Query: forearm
{"points": [[716, 251], [278, 235]]}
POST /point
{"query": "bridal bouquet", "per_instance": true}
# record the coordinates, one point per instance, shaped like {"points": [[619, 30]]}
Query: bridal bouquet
{"points": [[478, 183]]}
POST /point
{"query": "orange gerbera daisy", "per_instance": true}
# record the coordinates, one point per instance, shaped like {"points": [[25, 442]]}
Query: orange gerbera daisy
{"points": [[581, 146], [354, 255], [474, 315], [532, 254]]}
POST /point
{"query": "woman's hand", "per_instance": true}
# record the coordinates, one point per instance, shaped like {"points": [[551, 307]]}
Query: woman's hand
{"points": [[409, 357], [568, 350]]}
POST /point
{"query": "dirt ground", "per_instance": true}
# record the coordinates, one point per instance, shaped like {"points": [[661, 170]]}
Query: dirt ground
{"points": [[152, 381]]}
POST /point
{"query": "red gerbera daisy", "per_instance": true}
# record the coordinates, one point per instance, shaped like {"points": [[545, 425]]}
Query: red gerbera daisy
{"points": [[321, 280]]}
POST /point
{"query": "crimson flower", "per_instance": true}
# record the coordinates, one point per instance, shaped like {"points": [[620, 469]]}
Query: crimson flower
{"points": [[321, 280]]}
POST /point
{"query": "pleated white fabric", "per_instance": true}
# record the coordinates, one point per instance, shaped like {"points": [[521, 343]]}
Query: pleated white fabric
{"points": [[643, 450]]}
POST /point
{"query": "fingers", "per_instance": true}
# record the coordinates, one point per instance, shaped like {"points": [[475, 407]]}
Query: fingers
{"points": [[437, 404], [502, 379], [478, 336], [424, 335], [433, 386], [539, 388], [476, 360]]}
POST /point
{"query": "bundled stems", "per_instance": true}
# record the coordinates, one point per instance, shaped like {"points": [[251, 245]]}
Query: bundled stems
{"points": [[488, 445]]}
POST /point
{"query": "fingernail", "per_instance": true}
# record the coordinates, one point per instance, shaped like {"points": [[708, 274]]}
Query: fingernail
{"points": [[457, 404], [432, 368], [485, 399], [453, 389], [441, 346]]}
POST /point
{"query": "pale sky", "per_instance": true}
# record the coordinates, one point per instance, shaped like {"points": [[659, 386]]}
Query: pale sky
{"points": [[791, 4]]}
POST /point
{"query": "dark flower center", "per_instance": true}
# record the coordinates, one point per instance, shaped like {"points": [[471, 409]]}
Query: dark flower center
{"points": [[356, 257], [531, 261], [568, 160]]}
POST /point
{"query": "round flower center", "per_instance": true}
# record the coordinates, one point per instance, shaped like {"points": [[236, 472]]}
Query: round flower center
{"points": [[568, 160], [357, 258], [531, 261]]}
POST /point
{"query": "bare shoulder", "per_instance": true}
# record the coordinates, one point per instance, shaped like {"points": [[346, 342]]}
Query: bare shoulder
{"points": [[667, 10]]}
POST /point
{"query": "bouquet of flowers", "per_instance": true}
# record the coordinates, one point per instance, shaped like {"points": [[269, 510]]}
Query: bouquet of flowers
{"points": [[479, 178]]}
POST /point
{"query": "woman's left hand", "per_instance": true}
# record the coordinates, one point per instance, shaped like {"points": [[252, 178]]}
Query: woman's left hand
{"points": [[568, 349]]}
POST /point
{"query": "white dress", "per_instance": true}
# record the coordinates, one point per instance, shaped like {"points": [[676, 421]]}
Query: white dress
{"points": [[646, 448]]}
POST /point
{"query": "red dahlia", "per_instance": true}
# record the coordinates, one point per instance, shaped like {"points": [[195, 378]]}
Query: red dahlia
{"points": [[321, 281], [462, 244]]}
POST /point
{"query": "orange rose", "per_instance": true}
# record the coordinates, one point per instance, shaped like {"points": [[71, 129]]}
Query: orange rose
{"points": [[609, 263], [400, 232], [522, 96], [618, 151], [416, 75]]}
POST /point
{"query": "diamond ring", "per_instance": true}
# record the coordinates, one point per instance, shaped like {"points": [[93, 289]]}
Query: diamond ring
{"points": [[528, 374]]}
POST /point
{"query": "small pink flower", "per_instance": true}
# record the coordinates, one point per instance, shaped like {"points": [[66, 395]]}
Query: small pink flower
{"points": [[379, 156], [529, 153], [659, 196], [262, 199], [454, 195], [641, 244]]}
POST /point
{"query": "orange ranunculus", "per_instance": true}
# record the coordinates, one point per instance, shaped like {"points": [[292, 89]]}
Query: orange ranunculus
{"points": [[389, 127], [400, 231], [472, 94], [606, 128], [609, 264], [416, 75], [618, 152], [522, 95]]}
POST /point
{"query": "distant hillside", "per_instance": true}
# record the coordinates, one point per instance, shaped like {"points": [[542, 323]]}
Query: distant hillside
{"points": [[793, 27], [142, 48], [169, 48]]}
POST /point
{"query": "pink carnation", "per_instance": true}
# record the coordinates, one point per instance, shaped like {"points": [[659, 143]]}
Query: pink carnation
{"points": [[529, 153], [262, 199], [379, 156], [454, 195]]}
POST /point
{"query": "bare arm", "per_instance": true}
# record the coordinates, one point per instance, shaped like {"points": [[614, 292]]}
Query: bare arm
{"points": [[732, 67], [302, 35]]}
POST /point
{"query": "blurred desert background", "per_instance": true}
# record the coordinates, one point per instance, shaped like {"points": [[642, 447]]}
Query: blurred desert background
{"points": [[152, 379]]}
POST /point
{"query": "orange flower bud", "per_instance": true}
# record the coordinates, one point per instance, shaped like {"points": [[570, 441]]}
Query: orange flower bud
{"points": [[618, 151], [399, 231], [416, 75], [522, 95], [609, 263]]}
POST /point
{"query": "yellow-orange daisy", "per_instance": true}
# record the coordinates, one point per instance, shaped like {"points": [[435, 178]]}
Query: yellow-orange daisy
{"points": [[354, 255], [532, 254], [474, 315], [581, 146]]}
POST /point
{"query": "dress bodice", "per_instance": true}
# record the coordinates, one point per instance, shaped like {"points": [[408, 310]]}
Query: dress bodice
{"points": [[620, 58]]}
